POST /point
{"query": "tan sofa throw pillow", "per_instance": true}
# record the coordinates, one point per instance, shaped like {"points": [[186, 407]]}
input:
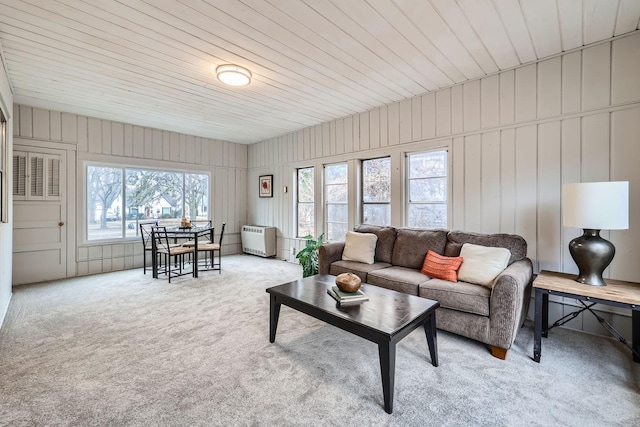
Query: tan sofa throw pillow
{"points": [[359, 247], [481, 264]]}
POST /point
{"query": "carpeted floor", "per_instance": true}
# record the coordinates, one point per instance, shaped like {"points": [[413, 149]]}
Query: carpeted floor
{"points": [[124, 349]]}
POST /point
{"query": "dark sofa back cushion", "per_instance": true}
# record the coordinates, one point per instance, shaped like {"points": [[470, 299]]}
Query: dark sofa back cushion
{"points": [[412, 245], [386, 239], [516, 244]]}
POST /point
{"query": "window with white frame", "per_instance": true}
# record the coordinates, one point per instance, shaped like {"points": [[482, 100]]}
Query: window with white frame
{"points": [[336, 208], [427, 189], [118, 198], [376, 191], [306, 202]]}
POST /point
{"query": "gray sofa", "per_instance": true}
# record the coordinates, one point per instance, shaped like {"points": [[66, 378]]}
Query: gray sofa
{"points": [[489, 315]]}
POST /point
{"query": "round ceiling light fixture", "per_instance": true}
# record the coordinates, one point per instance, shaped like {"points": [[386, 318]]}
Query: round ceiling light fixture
{"points": [[233, 75]]}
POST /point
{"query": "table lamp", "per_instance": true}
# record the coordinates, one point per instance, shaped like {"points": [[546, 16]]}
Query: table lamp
{"points": [[594, 206]]}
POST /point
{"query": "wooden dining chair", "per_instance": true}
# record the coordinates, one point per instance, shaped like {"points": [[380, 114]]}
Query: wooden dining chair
{"points": [[173, 254], [212, 248]]}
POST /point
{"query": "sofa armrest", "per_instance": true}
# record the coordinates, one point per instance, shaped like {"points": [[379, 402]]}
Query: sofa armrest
{"points": [[509, 302], [328, 254]]}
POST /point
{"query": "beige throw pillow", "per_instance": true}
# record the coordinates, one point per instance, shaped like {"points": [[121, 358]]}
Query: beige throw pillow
{"points": [[481, 264], [360, 247]]}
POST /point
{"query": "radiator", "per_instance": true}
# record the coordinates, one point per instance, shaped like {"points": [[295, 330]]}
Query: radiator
{"points": [[258, 240]]}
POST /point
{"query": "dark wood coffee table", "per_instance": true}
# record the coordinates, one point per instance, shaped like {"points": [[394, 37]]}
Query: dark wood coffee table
{"points": [[385, 319]]}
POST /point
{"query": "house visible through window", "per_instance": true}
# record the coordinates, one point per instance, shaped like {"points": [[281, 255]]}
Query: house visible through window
{"points": [[119, 198], [376, 191], [336, 191], [427, 189], [306, 205]]}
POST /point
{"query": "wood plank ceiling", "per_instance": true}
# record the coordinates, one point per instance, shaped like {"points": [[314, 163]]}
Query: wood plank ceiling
{"points": [[150, 62]]}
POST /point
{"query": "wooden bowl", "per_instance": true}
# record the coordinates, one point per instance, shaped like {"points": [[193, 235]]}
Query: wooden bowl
{"points": [[348, 282]]}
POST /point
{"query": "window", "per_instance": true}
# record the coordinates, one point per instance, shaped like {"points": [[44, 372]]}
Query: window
{"points": [[3, 190], [306, 205], [427, 188], [336, 191], [118, 198], [376, 191]]}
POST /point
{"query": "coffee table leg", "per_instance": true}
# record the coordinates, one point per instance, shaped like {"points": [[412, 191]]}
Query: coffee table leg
{"points": [[635, 334], [430, 331], [537, 327], [274, 313], [387, 352]]}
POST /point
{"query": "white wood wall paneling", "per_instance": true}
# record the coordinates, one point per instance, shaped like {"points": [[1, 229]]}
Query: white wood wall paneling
{"points": [[571, 82], [571, 161], [625, 152], [105, 140], [393, 114], [473, 183], [507, 97], [443, 113], [596, 67], [546, 38], [625, 84], [525, 98], [526, 188], [364, 131], [457, 109], [490, 101], [424, 117], [549, 88], [356, 131], [374, 129], [490, 182], [471, 105], [549, 236], [507, 180]]}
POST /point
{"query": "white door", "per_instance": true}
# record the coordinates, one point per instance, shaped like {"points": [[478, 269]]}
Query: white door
{"points": [[39, 215]]}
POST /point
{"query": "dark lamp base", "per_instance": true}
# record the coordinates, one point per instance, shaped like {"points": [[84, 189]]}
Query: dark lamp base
{"points": [[592, 255]]}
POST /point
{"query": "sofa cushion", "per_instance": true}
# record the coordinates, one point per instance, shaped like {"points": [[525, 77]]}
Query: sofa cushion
{"points": [[359, 247], [441, 267], [482, 264], [459, 296], [516, 244], [386, 240], [401, 279], [412, 245], [359, 269]]}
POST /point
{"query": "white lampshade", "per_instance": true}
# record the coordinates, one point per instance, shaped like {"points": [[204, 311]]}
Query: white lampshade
{"points": [[596, 205]]}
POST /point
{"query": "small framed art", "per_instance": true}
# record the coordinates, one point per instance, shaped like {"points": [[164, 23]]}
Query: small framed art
{"points": [[266, 186]]}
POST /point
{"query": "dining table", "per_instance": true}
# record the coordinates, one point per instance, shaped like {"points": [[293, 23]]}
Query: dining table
{"points": [[179, 233]]}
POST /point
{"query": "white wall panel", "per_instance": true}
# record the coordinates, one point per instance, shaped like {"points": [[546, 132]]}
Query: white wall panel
{"points": [[625, 68], [596, 68]]}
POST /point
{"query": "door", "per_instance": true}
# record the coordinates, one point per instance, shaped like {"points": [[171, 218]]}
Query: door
{"points": [[39, 214]]}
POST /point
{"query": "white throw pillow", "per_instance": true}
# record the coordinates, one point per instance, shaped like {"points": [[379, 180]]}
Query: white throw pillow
{"points": [[481, 264], [360, 247]]}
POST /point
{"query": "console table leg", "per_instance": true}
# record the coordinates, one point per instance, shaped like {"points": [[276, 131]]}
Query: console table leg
{"points": [[432, 340], [635, 334], [537, 330], [274, 313], [387, 352]]}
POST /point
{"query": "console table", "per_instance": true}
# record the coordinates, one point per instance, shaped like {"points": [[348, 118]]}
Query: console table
{"points": [[617, 293]]}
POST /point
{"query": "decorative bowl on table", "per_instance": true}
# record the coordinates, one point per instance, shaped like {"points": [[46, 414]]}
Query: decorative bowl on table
{"points": [[348, 282]]}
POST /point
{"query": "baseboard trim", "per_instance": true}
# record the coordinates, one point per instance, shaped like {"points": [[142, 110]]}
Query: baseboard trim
{"points": [[5, 309]]}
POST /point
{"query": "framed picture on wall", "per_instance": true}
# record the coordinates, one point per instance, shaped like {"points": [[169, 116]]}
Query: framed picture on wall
{"points": [[266, 186]]}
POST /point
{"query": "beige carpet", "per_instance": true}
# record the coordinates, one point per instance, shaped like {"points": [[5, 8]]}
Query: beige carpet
{"points": [[123, 349]]}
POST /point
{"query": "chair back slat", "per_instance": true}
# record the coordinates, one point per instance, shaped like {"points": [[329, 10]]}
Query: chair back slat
{"points": [[161, 238]]}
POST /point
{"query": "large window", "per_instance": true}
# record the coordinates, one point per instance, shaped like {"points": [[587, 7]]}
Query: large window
{"points": [[306, 205], [427, 189], [119, 198], [336, 191], [376, 191]]}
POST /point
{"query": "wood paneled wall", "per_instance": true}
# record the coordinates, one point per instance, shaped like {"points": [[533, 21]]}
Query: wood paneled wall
{"points": [[125, 144], [514, 138]]}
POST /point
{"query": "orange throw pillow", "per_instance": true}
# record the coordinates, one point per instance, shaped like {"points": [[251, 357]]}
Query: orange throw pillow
{"points": [[441, 267]]}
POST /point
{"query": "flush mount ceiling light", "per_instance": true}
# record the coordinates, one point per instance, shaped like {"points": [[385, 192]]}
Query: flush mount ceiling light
{"points": [[233, 75]]}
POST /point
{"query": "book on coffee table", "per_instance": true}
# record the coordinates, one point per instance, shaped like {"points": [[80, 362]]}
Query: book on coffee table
{"points": [[347, 298]]}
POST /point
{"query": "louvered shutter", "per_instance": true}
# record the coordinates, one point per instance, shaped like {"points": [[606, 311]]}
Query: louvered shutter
{"points": [[36, 175], [19, 175], [53, 177]]}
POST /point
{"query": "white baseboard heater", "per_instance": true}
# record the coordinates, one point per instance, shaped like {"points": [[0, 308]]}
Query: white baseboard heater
{"points": [[258, 240]]}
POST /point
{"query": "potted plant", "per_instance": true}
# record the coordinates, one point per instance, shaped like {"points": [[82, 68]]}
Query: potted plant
{"points": [[308, 257]]}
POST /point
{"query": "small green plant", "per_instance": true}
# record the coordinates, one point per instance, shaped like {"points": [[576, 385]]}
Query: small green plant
{"points": [[308, 257]]}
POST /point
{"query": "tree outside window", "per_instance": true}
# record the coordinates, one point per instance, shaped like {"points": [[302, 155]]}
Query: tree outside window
{"points": [[336, 193], [306, 202], [376, 191], [427, 188]]}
